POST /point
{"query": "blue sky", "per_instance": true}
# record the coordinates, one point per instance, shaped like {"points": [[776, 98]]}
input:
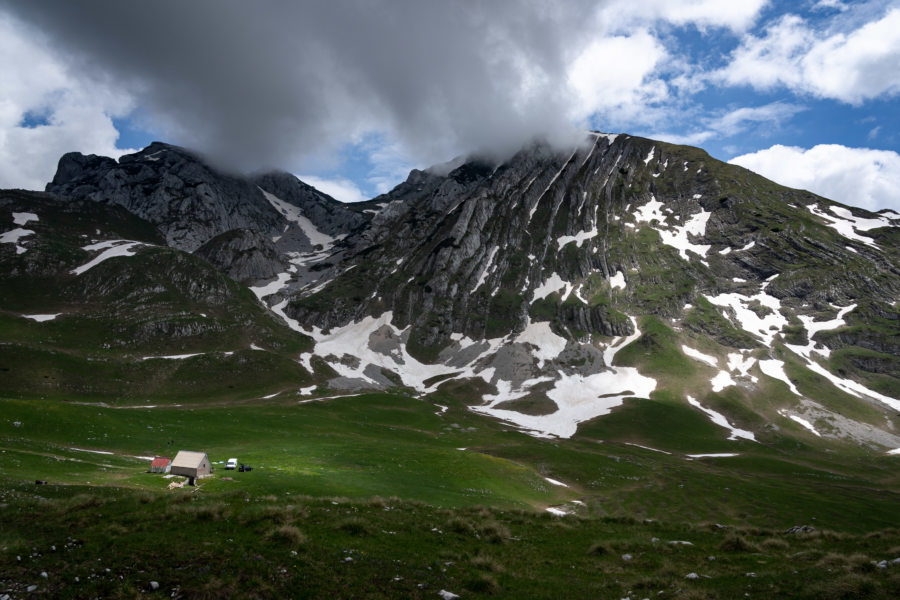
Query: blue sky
{"points": [[804, 92]]}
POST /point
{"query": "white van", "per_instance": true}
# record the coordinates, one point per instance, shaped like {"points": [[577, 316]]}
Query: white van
{"points": [[231, 464]]}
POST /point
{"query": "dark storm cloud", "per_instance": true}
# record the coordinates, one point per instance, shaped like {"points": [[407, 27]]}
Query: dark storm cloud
{"points": [[269, 83]]}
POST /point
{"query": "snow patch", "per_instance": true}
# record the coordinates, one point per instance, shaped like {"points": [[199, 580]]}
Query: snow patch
{"points": [[578, 238], [650, 156], [722, 381], [551, 285], [488, 267], [13, 237], [650, 211], [111, 249], [578, 397], [720, 420], [763, 327], [697, 355], [295, 215], [775, 368], [617, 280], [173, 356], [714, 455], [42, 318], [22, 218], [555, 482], [547, 344], [647, 448], [847, 225], [800, 420], [273, 287]]}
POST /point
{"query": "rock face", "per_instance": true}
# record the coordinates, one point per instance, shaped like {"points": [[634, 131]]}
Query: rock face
{"points": [[245, 255], [191, 203], [556, 284]]}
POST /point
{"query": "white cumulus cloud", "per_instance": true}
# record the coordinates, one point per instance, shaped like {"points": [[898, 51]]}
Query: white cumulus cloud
{"points": [[615, 75], [849, 66], [856, 176]]}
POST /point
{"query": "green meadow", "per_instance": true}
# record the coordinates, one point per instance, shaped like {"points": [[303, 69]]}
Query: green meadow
{"points": [[386, 496]]}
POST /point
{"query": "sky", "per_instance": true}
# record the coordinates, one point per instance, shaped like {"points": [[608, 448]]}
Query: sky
{"points": [[349, 95]]}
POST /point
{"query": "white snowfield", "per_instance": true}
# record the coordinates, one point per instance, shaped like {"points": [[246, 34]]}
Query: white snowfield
{"points": [[273, 287], [547, 344], [488, 268], [173, 356], [13, 237], [712, 361], [800, 420], [579, 238], [42, 318], [675, 235], [714, 455], [617, 281], [111, 249], [775, 368], [578, 398], [720, 420], [551, 285], [22, 218], [846, 224], [765, 327], [295, 215]]}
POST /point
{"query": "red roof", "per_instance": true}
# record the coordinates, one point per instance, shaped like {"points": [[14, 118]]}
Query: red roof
{"points": [[160, 461]]}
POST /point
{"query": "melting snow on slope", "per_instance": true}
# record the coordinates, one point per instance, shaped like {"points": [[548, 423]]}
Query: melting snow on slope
{"points": [[697, 355], [764, 327], [775, 368], [355, 340], [800, 420], [851, 387], [675, 236], [579, 238], [737, 362], [846, 385], [721, 381], [650, 156], [547, 344], [488, 267], [111, 249], [22, 218], [847, 225], [273, 287], [813, 327], [617, 281], [578, 398], [720, 420], [295, 215], [650, 211], [13, 237], [42, 318], [553, 284]]}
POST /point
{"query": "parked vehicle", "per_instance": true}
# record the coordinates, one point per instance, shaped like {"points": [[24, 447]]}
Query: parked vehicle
{"points": [[231, 464]]}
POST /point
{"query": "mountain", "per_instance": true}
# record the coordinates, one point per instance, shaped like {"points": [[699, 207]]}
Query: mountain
{"points": [[547, 290]]}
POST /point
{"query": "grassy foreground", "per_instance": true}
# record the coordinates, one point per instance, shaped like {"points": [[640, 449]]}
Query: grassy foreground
{"points": [[387, 496]]}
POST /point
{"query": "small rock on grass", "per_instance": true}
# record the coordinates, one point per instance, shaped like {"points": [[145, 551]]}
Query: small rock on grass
{"points": [[154, 585], [447, 595], [691, 576]]}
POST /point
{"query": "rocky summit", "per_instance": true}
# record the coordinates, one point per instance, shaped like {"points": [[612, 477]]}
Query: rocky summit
{"points": [[546, 289]]}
